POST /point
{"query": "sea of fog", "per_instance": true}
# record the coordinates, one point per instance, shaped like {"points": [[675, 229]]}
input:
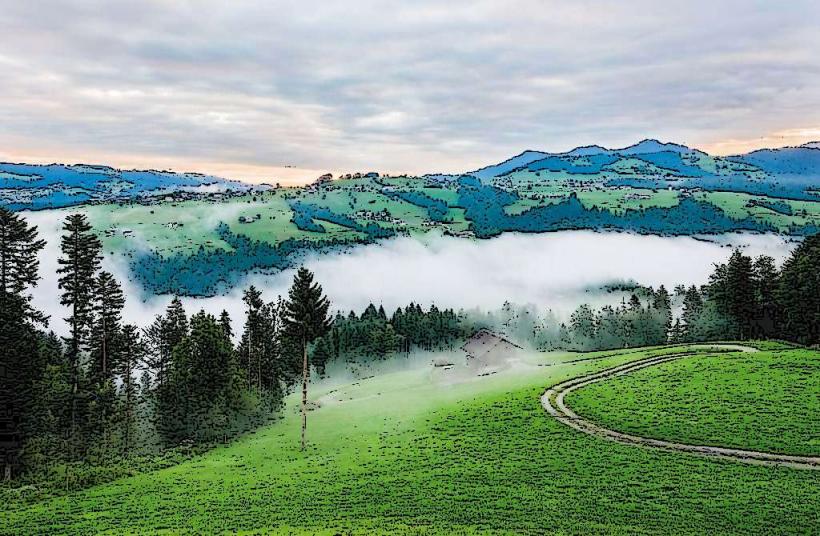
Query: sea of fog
{"points": [[555, 271]]}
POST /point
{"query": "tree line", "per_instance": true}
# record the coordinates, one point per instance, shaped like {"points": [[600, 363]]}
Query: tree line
{"points": [[375, 335], [745, 298], [110, 390]]}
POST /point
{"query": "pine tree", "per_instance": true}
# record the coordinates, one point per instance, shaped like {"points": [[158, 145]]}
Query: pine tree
{"points": [[253, 337], [176, 323], [225, 324], [78, 267], [692, 308], [582, 327], [21, 366], [132, 353], [765, 282], [732, 290], [306, 319], [798, 293], [108, 304], [202, 392], [169, 361], [158, 351], [19, 264]]}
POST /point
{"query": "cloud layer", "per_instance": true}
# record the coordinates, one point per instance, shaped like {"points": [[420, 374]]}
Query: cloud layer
{"points": [[246, 88], [555, 271]]}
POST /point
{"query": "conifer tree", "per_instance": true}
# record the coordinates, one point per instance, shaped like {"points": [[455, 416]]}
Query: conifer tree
{"points": [[19, 247], [253, 336], [765, 282], [798, 293], [158, 351], [306, 319], [692, 308], [79, 263], [225, 323], [20, 366], [108, 304], [132, 353]]}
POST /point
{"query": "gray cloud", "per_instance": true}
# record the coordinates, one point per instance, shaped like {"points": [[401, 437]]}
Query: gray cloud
{"points": [[397, 86]]}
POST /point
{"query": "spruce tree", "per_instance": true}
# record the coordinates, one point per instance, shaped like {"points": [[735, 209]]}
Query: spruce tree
{"points": [[765, 282], [732, 290], [306, 319], [108, 304], [126, 367], [21, 368], [253, 336], [79, 263], [225, 323], [798, 293], [19, 247], [157, 348], [692, 308]]}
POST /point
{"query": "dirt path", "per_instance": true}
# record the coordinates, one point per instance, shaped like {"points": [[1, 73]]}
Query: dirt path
{"points": [[553, 402]]}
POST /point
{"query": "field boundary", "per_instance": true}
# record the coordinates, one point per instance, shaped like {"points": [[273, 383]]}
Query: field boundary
{"points": [[553, 402]]}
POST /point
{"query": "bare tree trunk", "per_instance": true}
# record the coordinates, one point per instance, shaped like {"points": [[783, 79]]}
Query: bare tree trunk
{"points": [[128, 415], [304, 390]]}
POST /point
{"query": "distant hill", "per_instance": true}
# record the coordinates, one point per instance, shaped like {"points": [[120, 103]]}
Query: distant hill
{"points": [[509, 165], [31, 186], [788, 173]]}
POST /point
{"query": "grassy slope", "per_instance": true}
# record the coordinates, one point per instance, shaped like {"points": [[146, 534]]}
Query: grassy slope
{"points": [[402, 453], [765, 401], [182, 227]]}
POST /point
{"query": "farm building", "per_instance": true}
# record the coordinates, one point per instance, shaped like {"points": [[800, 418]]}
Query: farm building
{"points": [[487, 349]]}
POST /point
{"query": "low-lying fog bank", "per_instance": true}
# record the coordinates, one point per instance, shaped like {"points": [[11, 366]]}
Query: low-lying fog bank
{"points": [[555, 271]]}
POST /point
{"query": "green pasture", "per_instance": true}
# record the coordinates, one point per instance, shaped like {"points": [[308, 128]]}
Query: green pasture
{"points": [[767, 401], [429, 451]]}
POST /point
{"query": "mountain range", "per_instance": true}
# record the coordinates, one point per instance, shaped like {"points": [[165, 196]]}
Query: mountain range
{"points": [[788, 173], [34, 186]]}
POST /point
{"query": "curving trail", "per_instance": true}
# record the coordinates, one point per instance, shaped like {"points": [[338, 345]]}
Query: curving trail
{"points": [[553, 402]]}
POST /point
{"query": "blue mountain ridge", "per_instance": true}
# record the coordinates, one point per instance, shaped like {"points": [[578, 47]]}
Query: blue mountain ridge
{"points": [[35, 186], [789, 172]]}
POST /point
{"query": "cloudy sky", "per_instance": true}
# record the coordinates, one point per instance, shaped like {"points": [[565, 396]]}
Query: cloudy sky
{"points": [[266, 90]]}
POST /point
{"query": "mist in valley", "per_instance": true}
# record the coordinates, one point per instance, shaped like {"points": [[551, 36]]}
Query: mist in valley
{"points": [[552, 271]]}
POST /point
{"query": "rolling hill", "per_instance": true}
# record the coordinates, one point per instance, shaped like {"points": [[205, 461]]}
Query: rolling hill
{"points": [[197, 235], [32, 186]]}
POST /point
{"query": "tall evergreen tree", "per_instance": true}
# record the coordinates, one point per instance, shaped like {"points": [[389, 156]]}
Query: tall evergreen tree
{"points": [[108, 304], [20, 366], [78, 267], [798, 293], [19, 247], [765, 282], [253, 336], [306, 319], [225, 323], [157, 348], [732, 289], [692, 308], [126, 367]]}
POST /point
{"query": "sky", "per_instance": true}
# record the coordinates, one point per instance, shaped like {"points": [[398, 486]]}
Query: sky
{"points": [[270, 91]]}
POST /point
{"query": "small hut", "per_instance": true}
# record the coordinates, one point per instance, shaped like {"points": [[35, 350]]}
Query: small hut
{"points": [[488, 349]]}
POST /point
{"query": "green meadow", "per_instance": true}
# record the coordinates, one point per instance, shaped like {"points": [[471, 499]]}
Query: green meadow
{"points": [[172, 226], [429, 451], [767, 401]]}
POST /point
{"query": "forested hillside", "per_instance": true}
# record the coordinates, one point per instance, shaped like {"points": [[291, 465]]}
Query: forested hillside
{"points": [[76, 406]]}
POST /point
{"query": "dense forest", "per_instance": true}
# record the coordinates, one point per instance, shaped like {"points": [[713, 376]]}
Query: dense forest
{"points": [[110, 398]]}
